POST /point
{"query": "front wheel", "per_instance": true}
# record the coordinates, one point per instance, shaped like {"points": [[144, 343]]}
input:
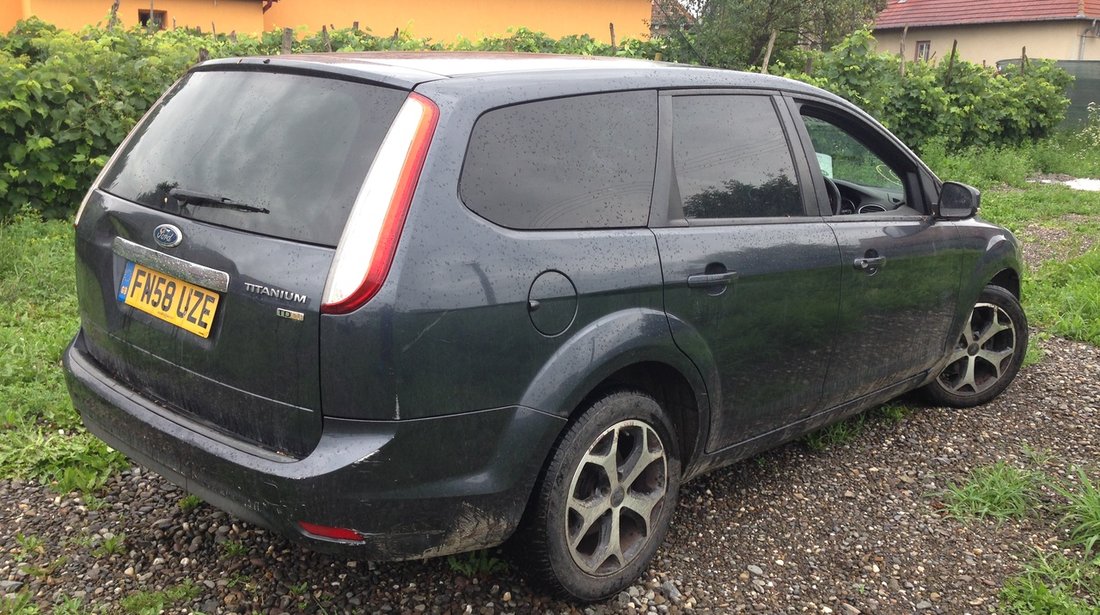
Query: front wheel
{"points": [[988, 353], [606, 500]]}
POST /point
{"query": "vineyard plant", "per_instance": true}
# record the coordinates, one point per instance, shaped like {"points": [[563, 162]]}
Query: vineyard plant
{"points": [[68, 98]]}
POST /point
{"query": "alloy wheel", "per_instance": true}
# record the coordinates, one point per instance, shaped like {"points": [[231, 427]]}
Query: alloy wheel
{"points": [[983, 353], [616, 497]]}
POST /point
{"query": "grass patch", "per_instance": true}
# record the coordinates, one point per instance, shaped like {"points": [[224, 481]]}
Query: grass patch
{"points": [[837, 434], [232, 548], [477, 563], [894, 411], [1053, 584], [190, 502], [1082, 513], [40, 435], [999, 491], [1064, 297], [112, 545], [1047, 204], [153, 602]]}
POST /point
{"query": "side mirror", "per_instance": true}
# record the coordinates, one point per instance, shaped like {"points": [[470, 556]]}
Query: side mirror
{"points": [[958, 201]]}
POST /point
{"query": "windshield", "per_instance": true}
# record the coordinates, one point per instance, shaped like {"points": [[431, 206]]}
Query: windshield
{"points": [[296, 146]]}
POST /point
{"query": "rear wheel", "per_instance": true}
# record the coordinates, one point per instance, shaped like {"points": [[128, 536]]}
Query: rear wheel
{"points": [[605, 502], [988, 353]]}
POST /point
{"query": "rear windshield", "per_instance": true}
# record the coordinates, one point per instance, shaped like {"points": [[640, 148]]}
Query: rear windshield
{"points": [[296, 146]]}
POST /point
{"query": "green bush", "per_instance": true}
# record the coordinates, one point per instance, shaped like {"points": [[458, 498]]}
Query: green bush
{"points": [[956, 102], [68, 98]]}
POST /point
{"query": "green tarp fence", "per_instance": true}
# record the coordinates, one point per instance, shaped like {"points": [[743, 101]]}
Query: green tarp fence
{"points": [[1085, 88]]}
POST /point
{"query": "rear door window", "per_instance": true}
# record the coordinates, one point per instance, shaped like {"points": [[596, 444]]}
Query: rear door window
{"points": [[293, 145], [570, 163], [732, 159]]}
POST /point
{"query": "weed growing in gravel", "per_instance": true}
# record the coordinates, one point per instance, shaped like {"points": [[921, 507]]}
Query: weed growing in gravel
{"points": [[1054, 584], [233, 548], [112, 545], [70, 606], [894, 412], [28, 544], [20, 604], [836, 434], [151, 603], [190, 502], [1082, 512], [999, 491], [43, 572], [1037, 457], [476, 563], [94, 503], [298, 589]]}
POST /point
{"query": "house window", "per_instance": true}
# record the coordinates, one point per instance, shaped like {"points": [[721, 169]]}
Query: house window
{"points": [[924, 50], [159, 18]]}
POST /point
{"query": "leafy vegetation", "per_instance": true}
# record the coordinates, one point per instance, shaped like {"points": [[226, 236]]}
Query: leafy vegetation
{"points": [[1064, 581], [68, 98], [1054, 584], [477, 563], [153, 602], [40, 435], [999, 491], [190, 502], [736, 33], [1082, 513]]}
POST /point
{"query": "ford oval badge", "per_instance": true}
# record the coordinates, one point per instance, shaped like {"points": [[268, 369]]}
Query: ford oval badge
{"points": [[167, 236]]}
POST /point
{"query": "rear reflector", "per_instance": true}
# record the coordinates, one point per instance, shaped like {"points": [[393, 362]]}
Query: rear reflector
{"points": [[335, 533], [367, 246]]}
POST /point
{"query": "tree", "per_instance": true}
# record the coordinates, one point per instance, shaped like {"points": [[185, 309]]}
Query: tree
{"points": [[735, 33]]}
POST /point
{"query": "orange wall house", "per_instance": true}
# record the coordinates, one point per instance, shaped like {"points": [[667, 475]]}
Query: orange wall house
{"points": [[226, 15], [11, 11], [446, 20]]}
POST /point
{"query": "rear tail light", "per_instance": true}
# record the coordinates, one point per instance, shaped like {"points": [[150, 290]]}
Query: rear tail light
{"points": [[367, 246], [335, 533]]}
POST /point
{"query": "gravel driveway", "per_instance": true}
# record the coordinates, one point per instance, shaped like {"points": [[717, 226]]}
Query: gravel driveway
{"points": [[855, 528]]}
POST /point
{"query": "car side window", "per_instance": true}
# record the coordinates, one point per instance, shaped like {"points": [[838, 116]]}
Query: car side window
{"points": [[732, 159], [570, 163], [859, 177], [842, 157]]}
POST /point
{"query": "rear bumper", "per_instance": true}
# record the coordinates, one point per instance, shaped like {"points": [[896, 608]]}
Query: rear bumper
{"points": [[412, 489]]}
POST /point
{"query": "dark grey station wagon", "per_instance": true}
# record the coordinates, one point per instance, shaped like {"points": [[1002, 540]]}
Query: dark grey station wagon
{"points": [[410, 305]]}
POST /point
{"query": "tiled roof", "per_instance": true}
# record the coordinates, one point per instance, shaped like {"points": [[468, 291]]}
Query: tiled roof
{"points": [[664, 12], [901, 13]]}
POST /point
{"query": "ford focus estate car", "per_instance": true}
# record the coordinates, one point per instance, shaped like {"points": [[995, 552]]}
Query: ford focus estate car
{"points": [[402, 306]]}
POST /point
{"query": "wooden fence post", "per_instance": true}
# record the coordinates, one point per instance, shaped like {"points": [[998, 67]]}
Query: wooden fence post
{"points": [[324, 37], [288, 40], [951, 64], [614, 48], [113, 19]]}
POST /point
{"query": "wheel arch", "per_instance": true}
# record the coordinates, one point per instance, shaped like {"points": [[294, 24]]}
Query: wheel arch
{"points": [[999, 265], [1009, 280], [632, 349]]}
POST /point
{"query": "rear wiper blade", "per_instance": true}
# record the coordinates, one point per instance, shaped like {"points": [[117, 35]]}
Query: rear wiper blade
{"points": [[190, 197]]}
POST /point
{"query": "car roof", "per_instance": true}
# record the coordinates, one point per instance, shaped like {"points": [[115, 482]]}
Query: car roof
{"points": [[410, 69]]}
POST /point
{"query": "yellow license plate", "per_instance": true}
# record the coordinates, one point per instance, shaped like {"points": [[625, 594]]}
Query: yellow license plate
{"points": [[170, 299]]}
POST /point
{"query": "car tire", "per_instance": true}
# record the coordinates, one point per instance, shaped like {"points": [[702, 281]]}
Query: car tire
{"points": [[604, 503], [987, 355]]}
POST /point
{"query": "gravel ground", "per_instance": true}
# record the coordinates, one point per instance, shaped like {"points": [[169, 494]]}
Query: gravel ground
{"points": [[857, 528]]}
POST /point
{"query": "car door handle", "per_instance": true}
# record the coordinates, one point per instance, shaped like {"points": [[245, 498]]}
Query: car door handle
{"points": [[869, 264], [703, 280]]}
